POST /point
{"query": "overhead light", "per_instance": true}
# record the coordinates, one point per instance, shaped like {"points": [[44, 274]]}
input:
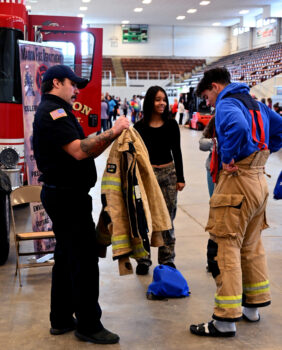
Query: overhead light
{"points": [[32, 1], [204, 3], [83, 8], [28, 7], [125, 22], [216, 24], [191, 10], [81, 15], [244, 12], [138, 9], [86, 0], [146, 1], [84, 26], [180, 18]]}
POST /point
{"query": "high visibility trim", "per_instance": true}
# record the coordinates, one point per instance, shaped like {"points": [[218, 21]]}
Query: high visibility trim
{"points": [[111, 187], [111, 183], [228, 302], [111, 178], [228, 306], [139, 251], [120, 238], [259, 284], [120, 246], [256, 288]]}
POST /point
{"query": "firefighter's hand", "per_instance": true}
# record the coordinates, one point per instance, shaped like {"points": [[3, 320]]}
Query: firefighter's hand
{"points": [[120, 124], [180, 186], [231, 167]]}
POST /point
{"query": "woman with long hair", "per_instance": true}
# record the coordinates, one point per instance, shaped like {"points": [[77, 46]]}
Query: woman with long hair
{"points": [[161, 136]]}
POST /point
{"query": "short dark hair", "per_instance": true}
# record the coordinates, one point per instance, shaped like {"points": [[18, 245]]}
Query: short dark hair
{"points": [[47, 86], [215, 75], [149, 101]]}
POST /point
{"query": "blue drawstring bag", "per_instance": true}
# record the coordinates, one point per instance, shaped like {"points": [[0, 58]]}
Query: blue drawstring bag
{"points": [[168, 282], [277, 193]]}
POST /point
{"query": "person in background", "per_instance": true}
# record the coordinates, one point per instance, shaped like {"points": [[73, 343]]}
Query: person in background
{"points": [[161, 136], [181, 110], [263, 101], [111, 106], [206, 144], [65, 159], [237, 207], [277, 108], [174, 108], [192, 105], [104, 115], [269, 103], [135, 108], [125, 106]]}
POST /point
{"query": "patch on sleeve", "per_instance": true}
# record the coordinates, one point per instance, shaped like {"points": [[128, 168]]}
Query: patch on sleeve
{"points": [[111, 168], [58, 113]]}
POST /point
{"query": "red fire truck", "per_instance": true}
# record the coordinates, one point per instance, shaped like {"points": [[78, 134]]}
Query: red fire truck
{"points": [[82, 50]]}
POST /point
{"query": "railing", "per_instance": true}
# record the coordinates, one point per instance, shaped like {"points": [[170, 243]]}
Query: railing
{"points": [[107, 77], [133, 76]]}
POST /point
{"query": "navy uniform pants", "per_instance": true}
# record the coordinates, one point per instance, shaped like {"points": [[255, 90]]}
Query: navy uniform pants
{"points": [[75, 274]]}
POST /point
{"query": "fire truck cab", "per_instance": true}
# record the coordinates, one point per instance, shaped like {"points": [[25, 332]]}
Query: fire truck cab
{"points": [[82, 50]]}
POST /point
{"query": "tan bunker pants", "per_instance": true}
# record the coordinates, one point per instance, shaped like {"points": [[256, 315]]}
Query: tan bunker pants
{"points": [[235, 252]]}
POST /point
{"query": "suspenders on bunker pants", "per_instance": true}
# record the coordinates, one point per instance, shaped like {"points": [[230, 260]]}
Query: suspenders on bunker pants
{"points": [[236, 255]]}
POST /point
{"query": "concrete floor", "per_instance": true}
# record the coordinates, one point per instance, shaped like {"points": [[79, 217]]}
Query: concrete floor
{"points": [[144, 324]]}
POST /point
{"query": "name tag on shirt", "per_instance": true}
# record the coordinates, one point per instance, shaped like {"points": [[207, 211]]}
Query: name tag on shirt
{"points": [[58, 113]]}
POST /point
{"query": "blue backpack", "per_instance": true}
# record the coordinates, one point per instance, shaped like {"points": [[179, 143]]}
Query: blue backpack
{"points": [[277, 193], [168, 282]]}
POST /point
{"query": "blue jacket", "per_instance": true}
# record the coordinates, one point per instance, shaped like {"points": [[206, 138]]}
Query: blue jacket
{"points": [[233, 124]]}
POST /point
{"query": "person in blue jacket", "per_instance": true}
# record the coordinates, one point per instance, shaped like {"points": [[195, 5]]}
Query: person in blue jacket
{"points": [[247, 132]]}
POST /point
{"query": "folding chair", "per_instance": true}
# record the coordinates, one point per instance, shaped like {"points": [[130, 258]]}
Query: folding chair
{"points": [[23, 195]]}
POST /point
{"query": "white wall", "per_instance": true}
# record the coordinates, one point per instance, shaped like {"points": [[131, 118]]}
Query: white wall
{"points": [[169, 41]]}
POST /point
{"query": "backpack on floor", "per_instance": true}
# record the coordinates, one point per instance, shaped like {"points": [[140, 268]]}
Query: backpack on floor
{"points": [[277, 193], [168, 282]]}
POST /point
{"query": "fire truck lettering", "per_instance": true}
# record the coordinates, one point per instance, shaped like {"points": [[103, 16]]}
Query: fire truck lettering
{"points": [[86, 110], [77, 106]]}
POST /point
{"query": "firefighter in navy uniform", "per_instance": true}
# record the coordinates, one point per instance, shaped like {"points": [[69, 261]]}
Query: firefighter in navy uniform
{"points": [[66, 160], [247, 131]]}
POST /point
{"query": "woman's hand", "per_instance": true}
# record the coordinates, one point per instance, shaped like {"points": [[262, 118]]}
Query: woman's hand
{"points": [[180, 186]]}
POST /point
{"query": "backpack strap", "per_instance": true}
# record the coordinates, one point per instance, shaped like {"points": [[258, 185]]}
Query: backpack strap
{"points": [[254, 110]]}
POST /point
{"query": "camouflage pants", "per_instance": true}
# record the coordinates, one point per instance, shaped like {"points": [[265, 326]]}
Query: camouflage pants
{"points": [[167, 180]]}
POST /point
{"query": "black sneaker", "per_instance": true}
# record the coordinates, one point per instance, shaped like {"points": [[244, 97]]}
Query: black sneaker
{"points": [[142, 269], [102, 337], [63, 330]]}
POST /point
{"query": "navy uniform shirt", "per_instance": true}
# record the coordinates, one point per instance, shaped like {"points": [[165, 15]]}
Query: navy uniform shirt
{"points": [[55, 126]]}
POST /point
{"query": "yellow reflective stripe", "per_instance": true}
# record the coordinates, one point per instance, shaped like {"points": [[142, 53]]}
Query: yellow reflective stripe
{"points": [[259, 284], [228, 302], [139, 251], [111, 187], [120, 246], [120, 242], [228, 297], [228, 306], [111, 183], [256, 288], [111, 178]]}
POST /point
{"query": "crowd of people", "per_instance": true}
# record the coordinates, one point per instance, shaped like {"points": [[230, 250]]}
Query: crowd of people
{"points": [[246, 132]]}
